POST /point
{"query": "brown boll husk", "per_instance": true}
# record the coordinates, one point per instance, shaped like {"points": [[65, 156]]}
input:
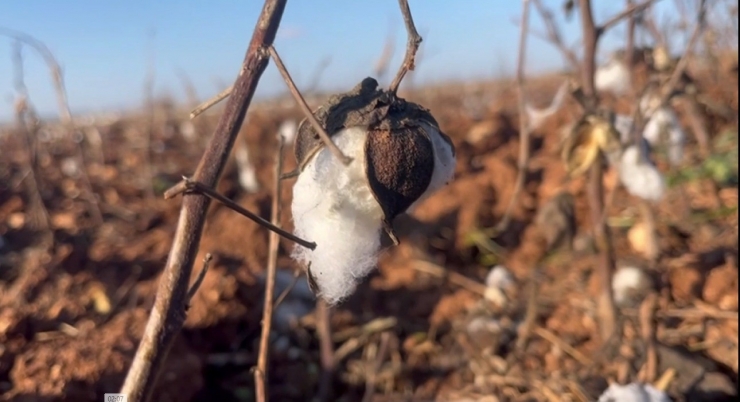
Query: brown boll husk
{"points": [[399, 152]]}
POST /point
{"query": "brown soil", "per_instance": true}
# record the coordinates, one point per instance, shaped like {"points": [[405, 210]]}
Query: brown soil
{"points": [[74, 298]]}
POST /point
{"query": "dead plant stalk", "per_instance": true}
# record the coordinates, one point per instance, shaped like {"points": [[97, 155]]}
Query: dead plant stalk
{"points": [[261, 373], [524, 133], [168, 313]]}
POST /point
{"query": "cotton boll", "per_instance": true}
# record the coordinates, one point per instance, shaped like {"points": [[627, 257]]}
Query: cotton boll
{"points": [[630, 285], [499, 277], [640, 178], [444, 164], [633, 392], [499, 281], [623, 124], [612, 77], [288, 130], [664, 120], [247, 172], [334, 207]]}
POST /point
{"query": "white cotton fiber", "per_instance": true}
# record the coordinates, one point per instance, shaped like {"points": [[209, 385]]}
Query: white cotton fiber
{"points": [[640, 177], [444, 164], [630, 285], [334, 207], [633, 392], [665, 120], [288, 130], [612, 77]]}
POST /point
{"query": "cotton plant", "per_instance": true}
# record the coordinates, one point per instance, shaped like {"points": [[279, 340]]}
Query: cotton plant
{"points": [[399, 158]]}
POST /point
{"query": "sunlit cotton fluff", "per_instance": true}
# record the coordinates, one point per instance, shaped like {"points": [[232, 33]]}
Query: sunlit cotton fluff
{"points": [[334, 207], [640, 178]]}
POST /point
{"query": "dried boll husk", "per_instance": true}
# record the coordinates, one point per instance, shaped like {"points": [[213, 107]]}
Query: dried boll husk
{"points": [[400, 153], [399, 157], [591, 135]]}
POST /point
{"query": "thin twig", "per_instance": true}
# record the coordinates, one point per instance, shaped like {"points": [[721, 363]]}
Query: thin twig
{"points": [[195, 187], [629, 11], [199, 280], [306, 110], [647, 332], [555, 340], [287, 290], [606, 309], [371, 378], [678, 71], [412, 45], [554, 37], [524, 133], [454, 277], [261, 374], [211, 102], [326, 349], [168, 313], [37, 212]]}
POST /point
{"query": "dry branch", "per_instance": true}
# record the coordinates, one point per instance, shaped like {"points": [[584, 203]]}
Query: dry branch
{"points": [[188, 185], [554, 37], [412, 45], [261, 373], [524, 133], [168, 312], [305, 109]]}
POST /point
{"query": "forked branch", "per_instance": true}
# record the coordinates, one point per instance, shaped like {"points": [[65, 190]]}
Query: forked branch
{"points": [[412, 46], [168, 313]]}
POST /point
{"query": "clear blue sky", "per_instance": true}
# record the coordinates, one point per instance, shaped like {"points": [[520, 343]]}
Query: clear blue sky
{"points": [[104, 46]]}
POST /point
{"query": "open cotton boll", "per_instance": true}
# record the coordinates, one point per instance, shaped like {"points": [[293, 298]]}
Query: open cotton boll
{"points": [[444, 164], [247, 172], [630, 285], [633, 392], [640, 178], [334, 207], [664, 120], [288, 130], [612, 77], [498, 281], [499, 277]]}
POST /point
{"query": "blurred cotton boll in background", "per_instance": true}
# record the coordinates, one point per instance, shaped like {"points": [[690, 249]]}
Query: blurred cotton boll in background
{"points": [[640, 177], [633, 392], [247, 172], [287, 130]]}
